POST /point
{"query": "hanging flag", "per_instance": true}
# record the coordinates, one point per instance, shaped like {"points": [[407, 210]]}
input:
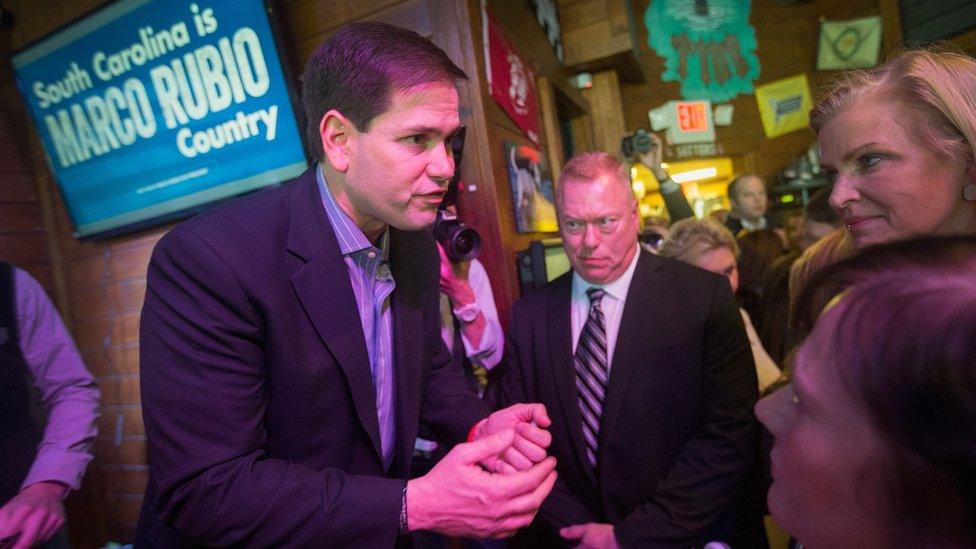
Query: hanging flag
{"points": [[851, 44], [510, 80]]}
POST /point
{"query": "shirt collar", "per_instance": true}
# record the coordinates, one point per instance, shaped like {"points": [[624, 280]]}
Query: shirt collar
{"points": [[753, 226], [616, 289], [350, 236]]}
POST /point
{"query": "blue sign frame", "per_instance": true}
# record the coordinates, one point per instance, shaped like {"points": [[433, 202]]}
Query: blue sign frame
{"points": [[150, 110]]}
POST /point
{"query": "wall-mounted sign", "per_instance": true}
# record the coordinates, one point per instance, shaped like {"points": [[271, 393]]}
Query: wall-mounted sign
{"points": [[784, 105], [852, 44], [708, 47], [723, 114], [510, 80], [695, 150], [693, 116], [548, 18], [149, 111], [532, 195], [685, 121]]}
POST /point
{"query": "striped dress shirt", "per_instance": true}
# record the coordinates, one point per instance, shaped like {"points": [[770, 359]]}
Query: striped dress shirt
{"points": [[372, 284]]}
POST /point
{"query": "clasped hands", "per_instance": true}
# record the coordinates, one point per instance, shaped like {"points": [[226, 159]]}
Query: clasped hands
{"points": [[491, 486]]}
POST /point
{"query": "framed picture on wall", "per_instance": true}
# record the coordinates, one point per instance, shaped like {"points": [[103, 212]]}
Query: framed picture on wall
{"points": [[533, 200]]}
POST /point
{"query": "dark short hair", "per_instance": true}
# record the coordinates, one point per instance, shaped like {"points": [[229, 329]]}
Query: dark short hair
{"points": [[734, 183], [905, 348], [356, 71], [819, 209]]}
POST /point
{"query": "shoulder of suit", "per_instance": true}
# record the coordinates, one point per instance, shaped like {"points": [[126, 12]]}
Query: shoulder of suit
{"points": [[679, 270], [247, 209], [559, 288], [246, 220]]}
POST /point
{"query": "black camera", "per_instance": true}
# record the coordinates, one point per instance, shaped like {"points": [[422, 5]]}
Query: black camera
{"points": [[651, 239], [460, 242], [638, 143]]}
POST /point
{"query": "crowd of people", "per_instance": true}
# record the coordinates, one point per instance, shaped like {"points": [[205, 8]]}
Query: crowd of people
{"points": [[869, 310], [296, 342]]}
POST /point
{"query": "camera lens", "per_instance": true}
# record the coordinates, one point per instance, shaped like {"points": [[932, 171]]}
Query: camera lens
{"points": [[465, 244], [462, 243]]}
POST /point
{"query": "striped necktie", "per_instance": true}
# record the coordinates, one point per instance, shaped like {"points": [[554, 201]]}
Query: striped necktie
{"points": [[591, 372]]}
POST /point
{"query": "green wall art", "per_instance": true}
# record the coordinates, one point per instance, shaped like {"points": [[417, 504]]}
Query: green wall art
{"points": [[708, 46]]}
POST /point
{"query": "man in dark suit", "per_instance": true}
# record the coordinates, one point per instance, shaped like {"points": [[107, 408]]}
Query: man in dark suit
{"points": [[644, 366], [290, 341], [747, 195]]}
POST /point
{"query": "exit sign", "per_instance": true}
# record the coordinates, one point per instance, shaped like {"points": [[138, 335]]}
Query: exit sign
{"points": [[693, 116], [685, 121]]}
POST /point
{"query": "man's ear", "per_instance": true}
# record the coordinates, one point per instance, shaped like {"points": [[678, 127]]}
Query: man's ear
{"points": [[336, 131]]}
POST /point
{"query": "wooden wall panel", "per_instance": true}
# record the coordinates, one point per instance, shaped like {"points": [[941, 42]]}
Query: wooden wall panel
{"points": [[17, 187], [594, 29], [609, 125], [22, 238], [525, 35]]}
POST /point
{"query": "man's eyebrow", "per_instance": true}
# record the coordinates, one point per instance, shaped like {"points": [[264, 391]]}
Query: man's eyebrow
{"points": [[430, 130]]}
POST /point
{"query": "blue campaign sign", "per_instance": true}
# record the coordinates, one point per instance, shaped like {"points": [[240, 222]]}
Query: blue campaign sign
{"points": [[152, 108]]}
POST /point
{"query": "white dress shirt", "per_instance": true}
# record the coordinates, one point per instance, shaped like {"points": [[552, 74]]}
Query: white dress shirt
{"points": [[612, 305]]}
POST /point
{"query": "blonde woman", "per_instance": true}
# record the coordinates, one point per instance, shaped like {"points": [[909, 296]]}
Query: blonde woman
{"points": [[708, 245], [898, 143]]}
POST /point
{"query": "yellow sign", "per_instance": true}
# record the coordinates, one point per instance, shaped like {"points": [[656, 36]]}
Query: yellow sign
{"points": [[784, 105]]}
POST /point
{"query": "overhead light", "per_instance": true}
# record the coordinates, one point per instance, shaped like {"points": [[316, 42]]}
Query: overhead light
{"points": [[695, 175], [583, 80], [639, 189]]}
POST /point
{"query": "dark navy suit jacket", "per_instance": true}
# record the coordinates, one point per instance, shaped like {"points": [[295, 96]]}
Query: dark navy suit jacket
{"points": [[256, 386], [677, 433]]}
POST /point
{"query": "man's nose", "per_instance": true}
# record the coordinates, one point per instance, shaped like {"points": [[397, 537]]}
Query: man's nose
{"points": [[591, 237], [441, 162]]}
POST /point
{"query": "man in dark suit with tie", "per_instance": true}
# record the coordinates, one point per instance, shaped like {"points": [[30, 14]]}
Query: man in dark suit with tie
{"points": [[290, 341], [645, 369]]}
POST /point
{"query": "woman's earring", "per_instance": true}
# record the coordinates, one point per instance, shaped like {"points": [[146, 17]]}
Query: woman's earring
{"points": [[969, 192]]}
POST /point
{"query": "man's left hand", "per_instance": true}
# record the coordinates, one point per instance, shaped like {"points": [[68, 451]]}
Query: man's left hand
{"points": [[530, 423], [592, 535], [33, 515]]}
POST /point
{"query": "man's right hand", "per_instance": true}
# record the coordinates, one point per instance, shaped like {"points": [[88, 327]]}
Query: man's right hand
{"points": [[653, 158], [33, 515], [459, 498]]}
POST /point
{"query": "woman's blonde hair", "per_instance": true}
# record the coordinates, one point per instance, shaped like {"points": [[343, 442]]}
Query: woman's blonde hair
{"points": [[692, 237], [936, 88], [830, 249]]}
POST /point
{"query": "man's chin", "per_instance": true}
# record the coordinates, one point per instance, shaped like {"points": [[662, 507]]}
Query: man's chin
{"points": [[415, 222], [594, 276]]}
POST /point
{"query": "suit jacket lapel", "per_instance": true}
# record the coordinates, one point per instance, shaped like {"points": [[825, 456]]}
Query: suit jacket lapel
{"points": [[408, 343], [637, 328], [560, 337], [326, 294]]}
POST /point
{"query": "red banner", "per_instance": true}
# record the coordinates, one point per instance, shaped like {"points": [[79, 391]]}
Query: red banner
{"points": [[511, 81]]}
